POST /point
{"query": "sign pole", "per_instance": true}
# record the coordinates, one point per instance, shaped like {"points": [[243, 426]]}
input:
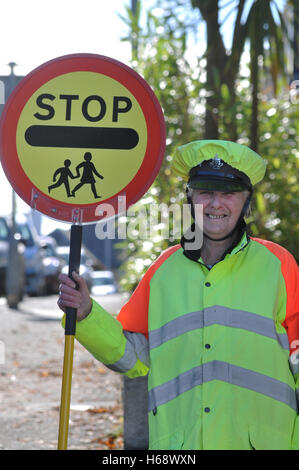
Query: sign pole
{"points": [[70, 330], [56, 127]]}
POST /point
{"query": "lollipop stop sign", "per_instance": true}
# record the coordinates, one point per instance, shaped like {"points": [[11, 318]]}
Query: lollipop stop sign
{"points": [[79, 131]]}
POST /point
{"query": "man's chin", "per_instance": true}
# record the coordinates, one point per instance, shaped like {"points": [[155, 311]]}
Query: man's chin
{"points": [[215, 234]]}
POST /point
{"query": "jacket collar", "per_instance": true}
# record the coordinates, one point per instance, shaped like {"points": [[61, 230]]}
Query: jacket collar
{"points": [[241, 240]]}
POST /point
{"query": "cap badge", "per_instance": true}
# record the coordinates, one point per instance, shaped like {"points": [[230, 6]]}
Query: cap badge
{"points": [[216, 163]]}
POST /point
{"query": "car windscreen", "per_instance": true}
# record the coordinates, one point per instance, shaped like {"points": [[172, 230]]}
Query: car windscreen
{"points": [[25, 233], [102, 281]]}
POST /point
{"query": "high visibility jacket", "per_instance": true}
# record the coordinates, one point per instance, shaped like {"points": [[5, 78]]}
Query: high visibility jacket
{"points": [[222, 345]]}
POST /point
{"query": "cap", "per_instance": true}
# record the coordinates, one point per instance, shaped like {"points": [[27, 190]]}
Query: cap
{"points": [[216, 175], [219, 161]]}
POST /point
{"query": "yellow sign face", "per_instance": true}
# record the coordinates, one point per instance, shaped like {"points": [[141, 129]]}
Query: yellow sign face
{"points": [[81, 137]]}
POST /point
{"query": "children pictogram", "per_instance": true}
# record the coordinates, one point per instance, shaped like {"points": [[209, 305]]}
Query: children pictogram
{"points": [[87, 177], [65, 174], [89, 170]]}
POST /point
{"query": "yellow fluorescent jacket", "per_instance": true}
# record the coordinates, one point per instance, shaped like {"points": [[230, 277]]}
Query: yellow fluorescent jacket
{"points": [[219, 345]]}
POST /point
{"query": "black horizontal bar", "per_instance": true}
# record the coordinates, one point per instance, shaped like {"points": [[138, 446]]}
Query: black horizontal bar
{"points": [[82, 137]]}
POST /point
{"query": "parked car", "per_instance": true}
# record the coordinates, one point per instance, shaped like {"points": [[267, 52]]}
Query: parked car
{"points": [[52, 265], [35, 283], [85, 269], [38, 266], [103, 283], [12, 276], [42, 266], [4, 247]]}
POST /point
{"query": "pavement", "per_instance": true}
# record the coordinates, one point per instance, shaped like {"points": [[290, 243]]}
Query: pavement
{"points": [[31, 362]]}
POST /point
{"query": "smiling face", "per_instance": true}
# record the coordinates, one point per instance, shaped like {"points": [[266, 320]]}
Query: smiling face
{"points": [[221, 210]]}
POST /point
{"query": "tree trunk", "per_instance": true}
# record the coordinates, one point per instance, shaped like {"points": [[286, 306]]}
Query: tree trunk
{"points": [[254, 109], [215, 55], [221, 67], [213, 98], [254, 79], [231, 70], [134, 32]]}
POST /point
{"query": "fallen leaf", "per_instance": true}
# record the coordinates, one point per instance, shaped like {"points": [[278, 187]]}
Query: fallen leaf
{"points": [[44, 373], [86, 364], [109, 442], [47, 373], [55, 373], [98, 410]]}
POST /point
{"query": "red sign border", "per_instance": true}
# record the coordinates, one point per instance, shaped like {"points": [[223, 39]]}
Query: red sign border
{"points": [[110, 67]]}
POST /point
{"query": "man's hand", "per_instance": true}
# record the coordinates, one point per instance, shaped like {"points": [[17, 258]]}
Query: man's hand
{"points": [[69, 296]]}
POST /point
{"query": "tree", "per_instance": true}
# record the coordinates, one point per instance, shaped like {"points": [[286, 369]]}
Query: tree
{"points": [[161, 58], [222, 66], [275, 214], [266, 42], [264, 36]]}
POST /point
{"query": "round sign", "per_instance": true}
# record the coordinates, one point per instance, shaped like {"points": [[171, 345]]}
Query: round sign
{"points": [[79, 131]]}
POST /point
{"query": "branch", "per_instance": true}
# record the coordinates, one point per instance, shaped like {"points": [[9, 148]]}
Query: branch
{"points": [[209, 10]]}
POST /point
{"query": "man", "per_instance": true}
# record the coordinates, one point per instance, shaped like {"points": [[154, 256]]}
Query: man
{"points": [[216, 327]]}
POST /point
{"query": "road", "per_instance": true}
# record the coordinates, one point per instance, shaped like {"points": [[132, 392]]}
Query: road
{"points": [[32, 341], [46, 307]]}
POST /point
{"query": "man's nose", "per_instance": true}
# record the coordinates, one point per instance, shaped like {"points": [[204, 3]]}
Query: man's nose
{"points": [[216, 201]]}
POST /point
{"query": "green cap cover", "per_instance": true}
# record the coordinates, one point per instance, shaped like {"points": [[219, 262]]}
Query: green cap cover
{"points": [[236, 155]]}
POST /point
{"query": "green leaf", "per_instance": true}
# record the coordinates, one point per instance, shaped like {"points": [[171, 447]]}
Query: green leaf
{"points": [[260, 203]]}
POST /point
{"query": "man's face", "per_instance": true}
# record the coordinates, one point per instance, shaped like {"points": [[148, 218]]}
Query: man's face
{"points": [[220, 210]]}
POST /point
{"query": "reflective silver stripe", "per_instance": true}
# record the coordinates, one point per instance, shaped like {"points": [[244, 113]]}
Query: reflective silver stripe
{"points": [[225, 372], [178, 326], [217, 315], [283, 340], [136, 348], [294, 362], [140, 345], [245, 321]]}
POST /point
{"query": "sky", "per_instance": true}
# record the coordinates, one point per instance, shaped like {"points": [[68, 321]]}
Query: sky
{"points": [[35, 31]]}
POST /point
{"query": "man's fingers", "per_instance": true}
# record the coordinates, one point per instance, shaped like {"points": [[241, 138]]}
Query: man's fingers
{"points": [[78, 279], [70, 303], [66, 300], [64, 279], [65, 289], [81, 282], [60, 305], [69, 296]]}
